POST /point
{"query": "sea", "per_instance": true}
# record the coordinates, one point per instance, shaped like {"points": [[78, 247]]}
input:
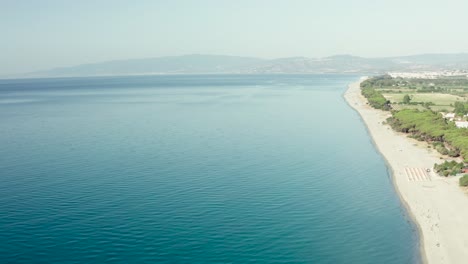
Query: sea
{"points": [[194, 169]]}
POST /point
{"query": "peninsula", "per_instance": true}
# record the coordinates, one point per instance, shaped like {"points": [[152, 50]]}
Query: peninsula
{"points": [[437, 204]]}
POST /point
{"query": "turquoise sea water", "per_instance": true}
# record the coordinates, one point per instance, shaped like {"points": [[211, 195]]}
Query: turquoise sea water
{"points": [[193, 169]]}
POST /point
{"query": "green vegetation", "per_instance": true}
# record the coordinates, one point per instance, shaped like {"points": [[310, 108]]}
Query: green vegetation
{"points": [[439, 94], [375, 98], [416, 117], [440, 147], [451, 85], [380, 82], [460, 108], [464, 180], [432, 128], [449, 168], [406, 99]]}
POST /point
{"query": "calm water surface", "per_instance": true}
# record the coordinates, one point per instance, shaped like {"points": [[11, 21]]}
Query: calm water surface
{"points": [[193, 169]]}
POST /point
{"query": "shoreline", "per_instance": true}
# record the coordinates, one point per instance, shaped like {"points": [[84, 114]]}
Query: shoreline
{"points": [[437, 205], [422, 253]]}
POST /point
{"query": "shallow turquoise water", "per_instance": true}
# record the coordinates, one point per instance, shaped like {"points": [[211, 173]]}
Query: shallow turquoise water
{"points": [[193, 169]]}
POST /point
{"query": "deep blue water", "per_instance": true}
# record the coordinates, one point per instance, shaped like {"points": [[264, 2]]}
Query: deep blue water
{"points": [[193, 169]]}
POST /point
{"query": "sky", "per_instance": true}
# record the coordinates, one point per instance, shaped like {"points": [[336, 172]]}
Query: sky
{"points": [[43, 34]]}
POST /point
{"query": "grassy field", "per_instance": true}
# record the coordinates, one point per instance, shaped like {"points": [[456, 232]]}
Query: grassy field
{"points": [[420, 107], [440, 93], [438, 99]]}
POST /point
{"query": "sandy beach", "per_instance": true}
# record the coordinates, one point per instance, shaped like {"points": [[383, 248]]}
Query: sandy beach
{"points": [[437, 204]]}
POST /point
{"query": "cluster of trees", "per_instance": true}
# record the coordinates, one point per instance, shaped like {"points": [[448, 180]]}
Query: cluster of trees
{"points": [[428, 124], [406, 99], [460, 108], [375, 98], [451, 85], [441, 83], [433, 128], [432, 89], [449, 168], [379, 81]]}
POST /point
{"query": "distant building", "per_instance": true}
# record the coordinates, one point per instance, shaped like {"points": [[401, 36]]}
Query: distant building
{"points": [[461, 124], [428, 74], [449, 116]]}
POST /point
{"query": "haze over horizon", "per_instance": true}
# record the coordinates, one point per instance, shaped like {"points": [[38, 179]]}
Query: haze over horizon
{"points": [[49, 34]]}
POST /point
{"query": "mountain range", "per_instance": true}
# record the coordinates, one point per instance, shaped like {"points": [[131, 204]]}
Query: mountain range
{"points": [[219, 64]]}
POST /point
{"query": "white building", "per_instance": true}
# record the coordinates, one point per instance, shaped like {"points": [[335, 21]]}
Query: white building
{"points": [[461, 124], [449, 116]]}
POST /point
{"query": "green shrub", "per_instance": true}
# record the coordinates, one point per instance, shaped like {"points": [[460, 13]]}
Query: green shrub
{"points": [[464, 180], [449, 168], [442, 150]]}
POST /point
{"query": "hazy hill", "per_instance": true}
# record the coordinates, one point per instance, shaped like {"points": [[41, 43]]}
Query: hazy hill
{"points": [[198, 64], [161, 65], [444, 61]]}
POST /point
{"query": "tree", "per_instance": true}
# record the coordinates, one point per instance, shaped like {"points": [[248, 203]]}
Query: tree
{"points": [[406, 99], [459, 108]]}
